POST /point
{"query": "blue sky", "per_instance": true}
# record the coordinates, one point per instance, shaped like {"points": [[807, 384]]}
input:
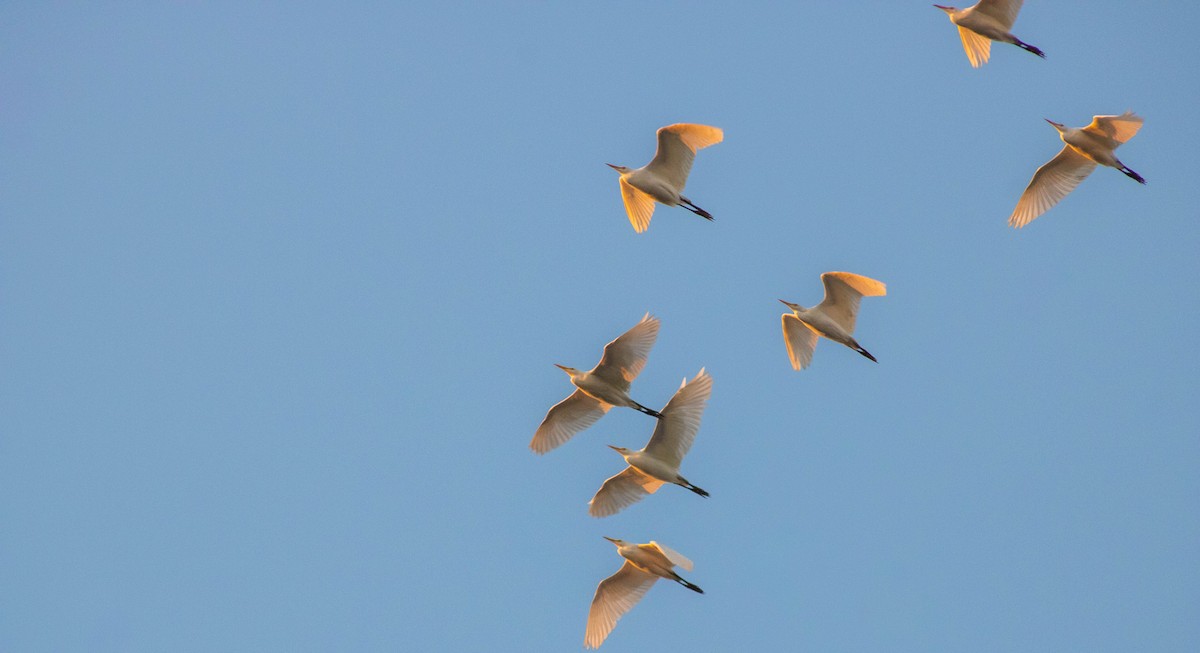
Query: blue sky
{"points": [[283, 286]]}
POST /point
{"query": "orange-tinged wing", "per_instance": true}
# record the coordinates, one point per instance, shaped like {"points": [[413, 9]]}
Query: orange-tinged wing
{"points": [[639, 206], [800, 341], [1052, 182], [978, 48]]}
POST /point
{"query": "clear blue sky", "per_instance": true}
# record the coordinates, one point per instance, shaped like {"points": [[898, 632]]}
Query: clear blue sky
{"points": [[281, 287]]}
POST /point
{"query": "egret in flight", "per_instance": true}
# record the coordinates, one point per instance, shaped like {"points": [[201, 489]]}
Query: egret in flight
{"points": [[658, 463], [1085, 147], [833, 318], [605, 386], [617, 594], [662, 180], [987, 21]]}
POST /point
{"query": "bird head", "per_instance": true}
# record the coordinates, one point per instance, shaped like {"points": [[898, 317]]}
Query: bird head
{"points": [[946, 9], [1057, 125], [571, 371], [794, 307], [621, 450], [620, 169], [615, 540]]}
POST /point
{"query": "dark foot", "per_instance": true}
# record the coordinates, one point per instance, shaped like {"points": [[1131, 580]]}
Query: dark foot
{"points": [[687, 204], [652, 413], [1133, 175], [695, 489], [1022, 44], [694, 588], [866, 353]]}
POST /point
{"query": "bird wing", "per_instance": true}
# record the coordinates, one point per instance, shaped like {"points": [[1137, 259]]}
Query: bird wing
{"points": [[565, 419], [800, 341], [1119, 128], [622, 491], [1004, 11], [677, 146], [638, 205], [842, 292], [674, 557], [675, 431], [615, 596], [977, 47], [625, 357], [1052, 182]]}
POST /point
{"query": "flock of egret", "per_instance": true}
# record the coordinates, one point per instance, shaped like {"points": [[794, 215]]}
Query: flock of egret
{"points": [[607, 384]]}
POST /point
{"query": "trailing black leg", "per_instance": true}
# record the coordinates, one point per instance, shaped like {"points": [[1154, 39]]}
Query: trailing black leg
{"points": [[694, 588], [1132, 175], [1030, 48], [653, 413], [687, 204], [684, 483], [864, 352]]}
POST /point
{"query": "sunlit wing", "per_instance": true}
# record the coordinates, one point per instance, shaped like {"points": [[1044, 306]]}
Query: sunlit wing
{"points": [[622, 491], [677, 147], [1119, 128], [676, 429], [625, 357], [842, 293], [800, 341], [1052, 182], [615, 596], [1004, 11], [565, 419], [639, 206], [978, 48], [675, 557]]}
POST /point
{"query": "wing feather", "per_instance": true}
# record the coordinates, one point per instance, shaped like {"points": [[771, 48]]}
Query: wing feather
{"points": [[676, 430], [615, 596], [673, 556], [1119, 128], [626, 355], [677, 147], [1004, 11], [977, 47], [800, 341], [621, 491], [843, 290], [1052, 182], [638, 205], [566, 418]]}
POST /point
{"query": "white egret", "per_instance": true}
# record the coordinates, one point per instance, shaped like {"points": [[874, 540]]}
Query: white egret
{"points": [[617, 594], [598, 390], [662, 180], [1085, 147], [658, 462], [987, 21], [833, 318]]}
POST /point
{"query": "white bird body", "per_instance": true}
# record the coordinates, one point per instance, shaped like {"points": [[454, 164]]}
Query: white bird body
{"points": [[1085, 147], [834, 318], [599, 389], [987, 21], [663, 179], [659, 461], [617, 594]]}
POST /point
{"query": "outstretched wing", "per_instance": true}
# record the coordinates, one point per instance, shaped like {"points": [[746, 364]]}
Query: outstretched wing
{"points": [[625, 356], [843, 290], [1004, 11], [1052, 182], [978, 48], [677, 147], [615, 596], [675, 557], [1119, 128], [675, 431], [800, 341], [638, 205], [566, 418], [622, 491]]}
